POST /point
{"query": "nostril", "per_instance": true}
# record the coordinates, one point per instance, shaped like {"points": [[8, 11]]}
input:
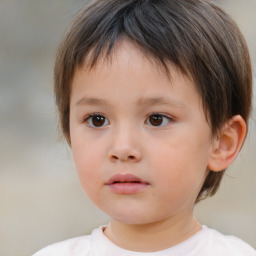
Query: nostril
{"points": [[123, 158], [124, 155]]}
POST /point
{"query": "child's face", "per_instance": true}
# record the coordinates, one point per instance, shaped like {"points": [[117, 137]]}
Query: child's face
{"points": [[140, 141]]}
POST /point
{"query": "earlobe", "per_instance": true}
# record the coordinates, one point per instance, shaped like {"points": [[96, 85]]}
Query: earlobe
{"points": [[228, 144]]}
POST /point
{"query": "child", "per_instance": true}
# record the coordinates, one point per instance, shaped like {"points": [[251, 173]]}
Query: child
{"points": [[154, 98]]}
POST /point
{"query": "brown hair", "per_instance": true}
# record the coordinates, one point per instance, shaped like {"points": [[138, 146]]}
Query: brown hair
{"points": [[195, 35]]}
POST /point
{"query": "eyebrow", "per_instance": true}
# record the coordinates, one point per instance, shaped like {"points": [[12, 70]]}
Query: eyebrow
{"points": [[161, 101], [142, 101], [91, 101]]}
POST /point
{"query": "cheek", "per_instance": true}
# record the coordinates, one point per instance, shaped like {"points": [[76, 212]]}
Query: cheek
{"points": [[84, 151], [87, 165], [178, 171]]}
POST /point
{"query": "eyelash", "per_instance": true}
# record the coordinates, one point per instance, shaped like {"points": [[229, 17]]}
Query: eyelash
{"points": [[167, 119], [88, 120], [158, 117]]}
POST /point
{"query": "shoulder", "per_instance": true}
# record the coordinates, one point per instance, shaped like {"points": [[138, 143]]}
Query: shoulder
{"points": [[228, 245], [79, 246]]}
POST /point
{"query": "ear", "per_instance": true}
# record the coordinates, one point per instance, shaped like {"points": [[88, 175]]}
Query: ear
{"points": [[227, 145]]}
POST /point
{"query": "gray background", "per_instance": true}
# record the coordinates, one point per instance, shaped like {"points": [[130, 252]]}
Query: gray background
{"points": [[41, 201]]}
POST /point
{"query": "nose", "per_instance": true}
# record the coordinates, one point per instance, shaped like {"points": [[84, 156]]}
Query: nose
{"points": [[125, 147]]}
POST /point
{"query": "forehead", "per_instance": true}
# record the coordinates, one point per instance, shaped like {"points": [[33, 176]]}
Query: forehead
{"points": [[126, 59], [129, 73], [126, 51], [128, 55]]}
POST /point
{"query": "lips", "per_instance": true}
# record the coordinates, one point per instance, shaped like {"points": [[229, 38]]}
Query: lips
{"points": [[126, 184]]}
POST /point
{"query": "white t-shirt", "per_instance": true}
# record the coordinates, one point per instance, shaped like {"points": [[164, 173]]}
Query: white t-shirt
{"points": [[207, 242]]}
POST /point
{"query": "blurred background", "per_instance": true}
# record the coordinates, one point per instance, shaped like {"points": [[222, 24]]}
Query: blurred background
{"points": [[41, 201]]}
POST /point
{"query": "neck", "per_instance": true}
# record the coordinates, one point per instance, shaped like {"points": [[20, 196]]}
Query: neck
{"points": [[152, 237]]}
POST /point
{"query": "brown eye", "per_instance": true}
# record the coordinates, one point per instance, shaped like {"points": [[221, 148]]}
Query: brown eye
{"points": [[158, 120], [97, 121]]}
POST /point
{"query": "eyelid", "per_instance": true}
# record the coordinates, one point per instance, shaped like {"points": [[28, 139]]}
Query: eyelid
{"points": [[87, 118], [170, 119]]}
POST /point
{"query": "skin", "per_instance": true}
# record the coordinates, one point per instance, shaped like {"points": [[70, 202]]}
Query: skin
{"points": [[172, 158]]}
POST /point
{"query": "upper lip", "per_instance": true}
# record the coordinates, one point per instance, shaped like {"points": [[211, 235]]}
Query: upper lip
{"points": [[124, 178]]}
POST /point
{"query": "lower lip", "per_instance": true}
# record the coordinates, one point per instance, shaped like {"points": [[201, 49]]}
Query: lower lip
{"points": [[127, 188]]}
